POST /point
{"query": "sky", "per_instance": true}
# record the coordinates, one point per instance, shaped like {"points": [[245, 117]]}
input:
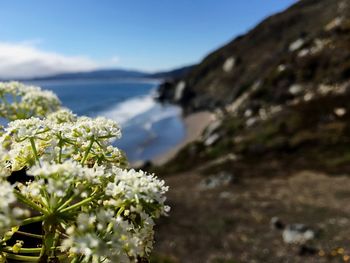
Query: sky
{"points": [[40, 37]]}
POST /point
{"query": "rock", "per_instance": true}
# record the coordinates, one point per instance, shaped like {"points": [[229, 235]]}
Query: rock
{"points": [[166, 91], [334, 24], [318, 46], [263, 114], [297, 234], [229, 64], [340, 112], [304, 52], [248, 113], [325, 89], [179, 90], [251, 121], [211, 139], [221, 179], [295, 89], [212, 127], [296, 44], [308, 96], [281, 68]]}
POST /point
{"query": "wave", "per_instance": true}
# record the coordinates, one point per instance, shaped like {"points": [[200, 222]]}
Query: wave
{"points": [[162, 113], [129, 109], [142, 111]]}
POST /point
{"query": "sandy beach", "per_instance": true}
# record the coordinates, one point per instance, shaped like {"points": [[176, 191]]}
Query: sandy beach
{"points": [[195, 123]]}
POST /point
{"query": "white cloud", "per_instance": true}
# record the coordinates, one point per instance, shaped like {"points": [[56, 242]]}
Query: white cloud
{"points": [[25, 59]]}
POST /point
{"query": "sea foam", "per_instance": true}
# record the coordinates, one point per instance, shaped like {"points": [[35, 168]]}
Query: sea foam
{"points": [[142, 110], [127, 110]]}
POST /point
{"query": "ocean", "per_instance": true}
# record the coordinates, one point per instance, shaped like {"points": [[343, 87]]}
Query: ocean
{"points": [[148, 127]]}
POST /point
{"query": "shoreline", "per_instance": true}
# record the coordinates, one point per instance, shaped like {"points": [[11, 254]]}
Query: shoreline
{"points": [[195, 124]]}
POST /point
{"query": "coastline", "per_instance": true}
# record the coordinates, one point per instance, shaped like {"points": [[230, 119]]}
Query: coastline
{"points": [[195, 123]]}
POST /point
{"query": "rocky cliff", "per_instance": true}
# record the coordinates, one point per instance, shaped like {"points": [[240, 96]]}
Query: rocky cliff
{"points": [[307, 43], [280, 92]]}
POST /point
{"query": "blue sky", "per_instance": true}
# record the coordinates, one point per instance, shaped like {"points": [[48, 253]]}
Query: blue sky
{"points": [[149, 35]]}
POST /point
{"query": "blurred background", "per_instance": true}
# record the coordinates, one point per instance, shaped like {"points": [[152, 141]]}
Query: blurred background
{"points": [[240, 106]]}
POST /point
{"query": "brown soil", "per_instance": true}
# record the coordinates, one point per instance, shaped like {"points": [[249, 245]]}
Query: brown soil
{"points": [[232, 223]]}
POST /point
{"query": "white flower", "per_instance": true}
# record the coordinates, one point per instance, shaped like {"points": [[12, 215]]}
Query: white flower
{"points": [[62, 116], [137, 187], [21, 130], [18, 101], [100, 128], [9, 212], [51, 140], [105, 236]]}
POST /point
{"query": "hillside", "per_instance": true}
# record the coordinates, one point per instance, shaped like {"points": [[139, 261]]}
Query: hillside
{"points": [[279, 147], [281, 88], [172, 74], [118, 74], [306, 43], [96, 74]]}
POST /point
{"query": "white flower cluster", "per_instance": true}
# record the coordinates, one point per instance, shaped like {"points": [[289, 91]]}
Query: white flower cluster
{"points": [[91, 207], [19, 101], [117, 222], [10, 212], [106, 237], [81, 139], [144, 192]]}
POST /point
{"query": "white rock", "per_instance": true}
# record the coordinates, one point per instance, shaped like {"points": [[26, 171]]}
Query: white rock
{"points": [[229, 64], [340, 112], [221, 179], [304, 52], [296, 44], [295, 89], [297, 234], [308, 96], [335, 23], [281, 68], [179, 90], [251, 121], [212, 139], [263, 114], [319, 45], [248, 113], [212, 127], [275, 109], [325, 89]]}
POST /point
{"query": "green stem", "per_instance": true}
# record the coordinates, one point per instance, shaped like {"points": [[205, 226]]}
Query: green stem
{"points": [[60, 155], [88, 151], [79, 204], [22, 250], [29, 234], [26, 250], [66, 202], [28, 202], [34, 150], [21, 258], [32, 220], [55, 243]]}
